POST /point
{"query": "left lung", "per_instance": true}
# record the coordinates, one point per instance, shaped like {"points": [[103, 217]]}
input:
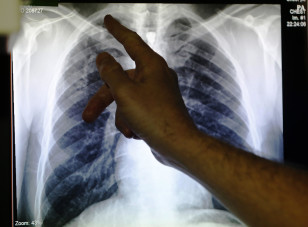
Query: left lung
{"points": [[208, 83]]}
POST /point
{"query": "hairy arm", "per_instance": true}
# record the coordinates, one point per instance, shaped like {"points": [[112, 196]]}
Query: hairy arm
{"points": [[260, 192], [150, 107]]}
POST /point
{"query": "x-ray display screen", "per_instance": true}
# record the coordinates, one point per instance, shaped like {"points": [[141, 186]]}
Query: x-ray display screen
{"points": [[68, 172]]}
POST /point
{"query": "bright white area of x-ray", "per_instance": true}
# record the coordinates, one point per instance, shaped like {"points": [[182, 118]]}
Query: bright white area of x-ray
{"points": [[39, 50], [151, 194]]}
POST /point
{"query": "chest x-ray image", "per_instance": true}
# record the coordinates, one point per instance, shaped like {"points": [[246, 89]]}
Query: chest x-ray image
{"points": [[72, 173]]}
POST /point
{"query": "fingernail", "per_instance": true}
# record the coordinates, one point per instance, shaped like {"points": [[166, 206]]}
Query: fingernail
{"points": [[108, 16]]}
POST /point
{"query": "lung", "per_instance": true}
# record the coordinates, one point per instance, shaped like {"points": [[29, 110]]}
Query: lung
{"points": [[87, 175], [208, 84], [215, 109]]}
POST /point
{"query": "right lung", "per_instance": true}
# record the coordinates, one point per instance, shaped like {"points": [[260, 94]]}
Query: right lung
{"points": [[87, 175]]}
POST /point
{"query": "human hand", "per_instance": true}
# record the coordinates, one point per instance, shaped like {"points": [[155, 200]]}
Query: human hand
{"points": [[149, 103]]}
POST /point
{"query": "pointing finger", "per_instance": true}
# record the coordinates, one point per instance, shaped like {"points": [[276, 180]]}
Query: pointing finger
{"points": [[137, 49]]}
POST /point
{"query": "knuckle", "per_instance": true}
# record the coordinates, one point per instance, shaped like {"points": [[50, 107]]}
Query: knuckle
{"points": [[132, 37], [121, 92], [102, 58], [135, 36], [123, 129], [106, 63], [159, 61]]}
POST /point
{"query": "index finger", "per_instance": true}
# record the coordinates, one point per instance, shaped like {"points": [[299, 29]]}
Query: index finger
{"points": [[137, 49]]}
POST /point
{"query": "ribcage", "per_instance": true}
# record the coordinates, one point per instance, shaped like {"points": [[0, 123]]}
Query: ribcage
{"points": [[87, 173], [215, 109]]}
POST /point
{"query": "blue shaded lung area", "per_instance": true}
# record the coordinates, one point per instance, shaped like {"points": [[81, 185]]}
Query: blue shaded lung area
{"points": [[207, 110], [211, 93], [86, 178], [207, 80], [87, 175]]}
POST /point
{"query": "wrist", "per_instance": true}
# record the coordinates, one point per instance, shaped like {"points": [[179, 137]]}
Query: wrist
{"points": [[178, 145]]}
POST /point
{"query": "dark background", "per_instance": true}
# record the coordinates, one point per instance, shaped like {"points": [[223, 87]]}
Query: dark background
{"points": [[295, 90], [5, 132]]}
